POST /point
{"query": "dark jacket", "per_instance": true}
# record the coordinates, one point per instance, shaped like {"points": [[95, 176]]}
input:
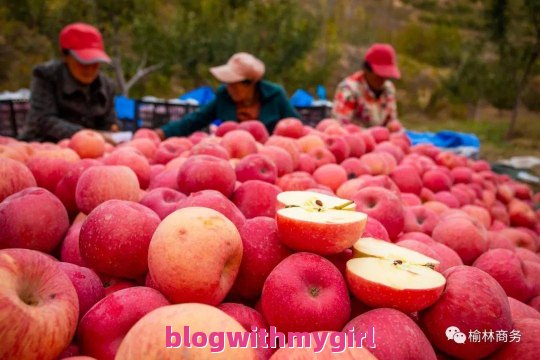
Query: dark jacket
{"points": [[274, 106], [60, 106]]}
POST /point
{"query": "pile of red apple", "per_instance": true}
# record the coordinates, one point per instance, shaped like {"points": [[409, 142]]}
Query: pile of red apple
{"points": [[307, 230]]}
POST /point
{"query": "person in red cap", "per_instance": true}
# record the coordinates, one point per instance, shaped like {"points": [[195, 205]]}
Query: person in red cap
{"points": [[368, 97], [72, 94], [244, 96]]}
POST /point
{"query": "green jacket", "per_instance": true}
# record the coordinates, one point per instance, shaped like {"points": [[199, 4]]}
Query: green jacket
{"points": [[274, 106]]}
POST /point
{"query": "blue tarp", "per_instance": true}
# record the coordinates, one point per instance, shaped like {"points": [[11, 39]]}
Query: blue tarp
{"points": [[124, 107], [202, 95], [301, 98], [444, 139]]}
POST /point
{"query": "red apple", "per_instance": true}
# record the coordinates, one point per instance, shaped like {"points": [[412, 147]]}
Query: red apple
{"points": [[32, 218], [212, 174], [105, 325], [14, 177], [305, 292], [192, 244], [39, 306], [256, 167]]}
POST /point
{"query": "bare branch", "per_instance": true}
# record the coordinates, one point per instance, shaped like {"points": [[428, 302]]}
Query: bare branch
{"points": [[141, 73], [119, 74]]}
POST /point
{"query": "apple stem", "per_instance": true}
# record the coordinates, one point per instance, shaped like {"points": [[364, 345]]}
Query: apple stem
{"points": [[344, 205]]}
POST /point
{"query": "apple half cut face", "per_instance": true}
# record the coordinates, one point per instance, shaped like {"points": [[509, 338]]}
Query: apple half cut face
{"points": [[318, 223], [382, 274]]}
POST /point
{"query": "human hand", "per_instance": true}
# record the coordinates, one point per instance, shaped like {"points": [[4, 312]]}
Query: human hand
{"points": [[115, 128]]}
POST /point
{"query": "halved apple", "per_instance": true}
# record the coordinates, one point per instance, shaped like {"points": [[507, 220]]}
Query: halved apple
{"points": [[387, 275], [318, 223]]}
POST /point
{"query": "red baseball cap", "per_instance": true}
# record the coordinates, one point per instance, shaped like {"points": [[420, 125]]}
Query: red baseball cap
{"points": [[84, 42], [382, 59]]}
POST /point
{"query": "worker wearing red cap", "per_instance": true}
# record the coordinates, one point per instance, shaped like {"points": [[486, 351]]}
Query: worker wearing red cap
{"points": [[72, 94], [368, 97]]}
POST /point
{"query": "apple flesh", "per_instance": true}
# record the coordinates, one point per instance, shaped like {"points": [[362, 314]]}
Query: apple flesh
{"points": [[386, 275], [318, 223]]}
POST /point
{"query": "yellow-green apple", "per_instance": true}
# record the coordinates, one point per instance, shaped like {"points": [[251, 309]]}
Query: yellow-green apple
{"points": [[115, 236], [528, 344], [106, 324], [420, 219], [256, 198], [331, 175], [162, 334], [407, 179], [217, 201], [461, 234], [314, 222], [134, 160], [287, 144], [298, 180], [472, 300], [256, 167], [323, 345], [98, 184], [239, 143], [39, 306], [32, 218], [305, 292], [256, 129], [86, 283], [521, 310], [66, 187], [436, 180], [375, 229], [384, 206], [281, 158], [508, 269], [390, 334], [212, 173], [14, 177], [382, 274], [162, 201], [87, 144], [289, 127], [191, 244], [262, 252]]}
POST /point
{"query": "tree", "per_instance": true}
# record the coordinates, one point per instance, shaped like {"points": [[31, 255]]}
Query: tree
{"points": [[514, 26]]}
